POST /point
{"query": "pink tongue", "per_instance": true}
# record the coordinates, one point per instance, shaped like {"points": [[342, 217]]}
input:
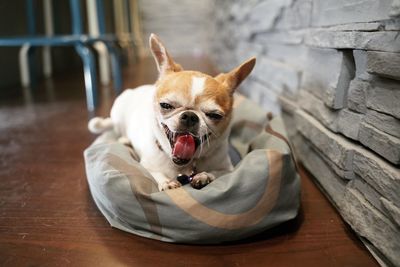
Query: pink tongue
{"points": [[184, 147]]}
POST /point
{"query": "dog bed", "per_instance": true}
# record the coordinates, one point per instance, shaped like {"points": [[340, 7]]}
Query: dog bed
{"points": [[262, 191]]}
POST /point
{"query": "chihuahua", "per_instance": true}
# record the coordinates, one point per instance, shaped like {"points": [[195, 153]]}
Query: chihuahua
{"points": [[179, 125]]}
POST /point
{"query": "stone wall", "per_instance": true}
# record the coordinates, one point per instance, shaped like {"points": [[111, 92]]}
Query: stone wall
{"points": [[332, 69], [184, 26]]}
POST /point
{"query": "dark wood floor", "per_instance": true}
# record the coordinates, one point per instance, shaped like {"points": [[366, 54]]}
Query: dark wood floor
{"points": [[48, 218]]}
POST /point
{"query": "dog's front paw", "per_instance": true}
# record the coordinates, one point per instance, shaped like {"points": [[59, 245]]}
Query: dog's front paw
{"points": [[169, 185], [202, 179]]}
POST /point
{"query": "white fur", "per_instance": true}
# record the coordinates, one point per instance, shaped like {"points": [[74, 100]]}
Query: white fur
{"points": [[197, 86], [98, 125], [133, 117]]}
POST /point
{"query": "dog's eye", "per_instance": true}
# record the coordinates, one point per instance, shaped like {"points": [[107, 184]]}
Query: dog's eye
{"points": [[214, 116], [166, 106]]}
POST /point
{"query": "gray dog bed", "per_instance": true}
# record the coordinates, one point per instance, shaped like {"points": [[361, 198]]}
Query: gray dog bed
{"points": [[262, 191]]}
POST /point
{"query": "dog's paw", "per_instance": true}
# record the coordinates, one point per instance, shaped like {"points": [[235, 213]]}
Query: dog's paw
{"points": [[202, 179], [169, 185]]}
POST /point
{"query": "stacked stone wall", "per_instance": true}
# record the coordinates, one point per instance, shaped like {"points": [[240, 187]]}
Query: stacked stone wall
{"points": [[332, 69]]}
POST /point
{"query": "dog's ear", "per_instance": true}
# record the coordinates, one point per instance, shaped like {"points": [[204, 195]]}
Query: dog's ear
{"points": [[233, 78], [164, 61]]}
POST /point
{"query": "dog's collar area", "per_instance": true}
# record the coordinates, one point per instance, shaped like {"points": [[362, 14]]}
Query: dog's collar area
{"points": [[182, 178], [185, 179]]}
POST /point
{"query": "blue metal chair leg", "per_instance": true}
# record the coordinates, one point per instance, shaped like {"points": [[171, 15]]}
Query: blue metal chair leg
{"points": [[27, 66], [116, 67], [32, 67], [89, 69]]}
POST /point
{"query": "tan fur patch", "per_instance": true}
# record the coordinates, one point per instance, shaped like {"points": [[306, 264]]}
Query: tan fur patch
{"points": [[182, 82]]}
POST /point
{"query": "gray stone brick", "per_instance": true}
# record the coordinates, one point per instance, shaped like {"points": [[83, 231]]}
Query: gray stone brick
{"points": [[333, 146], [363, 26], [395, 9], [290, 125], [178, 18], [330, 86], [246, 50], [391, 25], [265, 14], [385, 145], [371, 224], [331, 12], [384, 64], [262, 95], [360, 59], [291, 37], [330, 182], [349, 123], [356, 95], [392, 209], [296, 15], [277, 75], [377, 41], [288, 105], [368, 192], [380, 174], [383, 122], [239, 11], [343, 174], [294, 55], [328, 117], [268, 100], [384, 95]]}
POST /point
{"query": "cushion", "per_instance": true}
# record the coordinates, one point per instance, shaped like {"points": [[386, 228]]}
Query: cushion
{"points": [[261, 192]]}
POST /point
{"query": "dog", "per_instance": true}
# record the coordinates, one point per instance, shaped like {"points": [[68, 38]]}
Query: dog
{"points": [[179, 125]]}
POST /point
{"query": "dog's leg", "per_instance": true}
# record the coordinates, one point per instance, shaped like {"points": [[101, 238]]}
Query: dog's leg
{"points": [[202, 179], [164, 183]]}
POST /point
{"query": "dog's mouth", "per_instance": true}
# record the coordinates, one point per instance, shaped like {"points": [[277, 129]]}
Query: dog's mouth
{"points": [[183, 145]]}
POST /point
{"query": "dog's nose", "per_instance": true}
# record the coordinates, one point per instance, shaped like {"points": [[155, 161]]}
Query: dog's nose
{"points": [[189, 119]]}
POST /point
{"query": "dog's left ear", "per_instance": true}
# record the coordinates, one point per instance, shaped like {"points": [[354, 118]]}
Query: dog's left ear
{"points": [[164, 61], [234, 78]]}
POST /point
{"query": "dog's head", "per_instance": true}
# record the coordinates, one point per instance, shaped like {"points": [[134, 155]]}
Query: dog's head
{"points": [[193, 110]]}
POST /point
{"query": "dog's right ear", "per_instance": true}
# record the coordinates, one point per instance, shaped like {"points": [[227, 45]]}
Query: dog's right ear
{"points": [[234, 78], [164, 61]]}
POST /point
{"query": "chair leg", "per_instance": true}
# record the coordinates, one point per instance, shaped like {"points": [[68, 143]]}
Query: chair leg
{"points": [[104, 64], [89, 69], [47, 66], [115, 66], [27, 73], [49, 30]]}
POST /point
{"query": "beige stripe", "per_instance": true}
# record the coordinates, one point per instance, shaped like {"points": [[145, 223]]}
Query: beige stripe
{"points": [[186, 202], [142, 187], [269, 130]]}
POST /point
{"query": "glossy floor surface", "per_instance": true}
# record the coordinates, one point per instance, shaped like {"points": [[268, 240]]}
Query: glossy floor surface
{"points": [[48, 218]]}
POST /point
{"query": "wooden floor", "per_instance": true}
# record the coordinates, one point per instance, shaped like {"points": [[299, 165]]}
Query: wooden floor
{"points": [[48, 218]]}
